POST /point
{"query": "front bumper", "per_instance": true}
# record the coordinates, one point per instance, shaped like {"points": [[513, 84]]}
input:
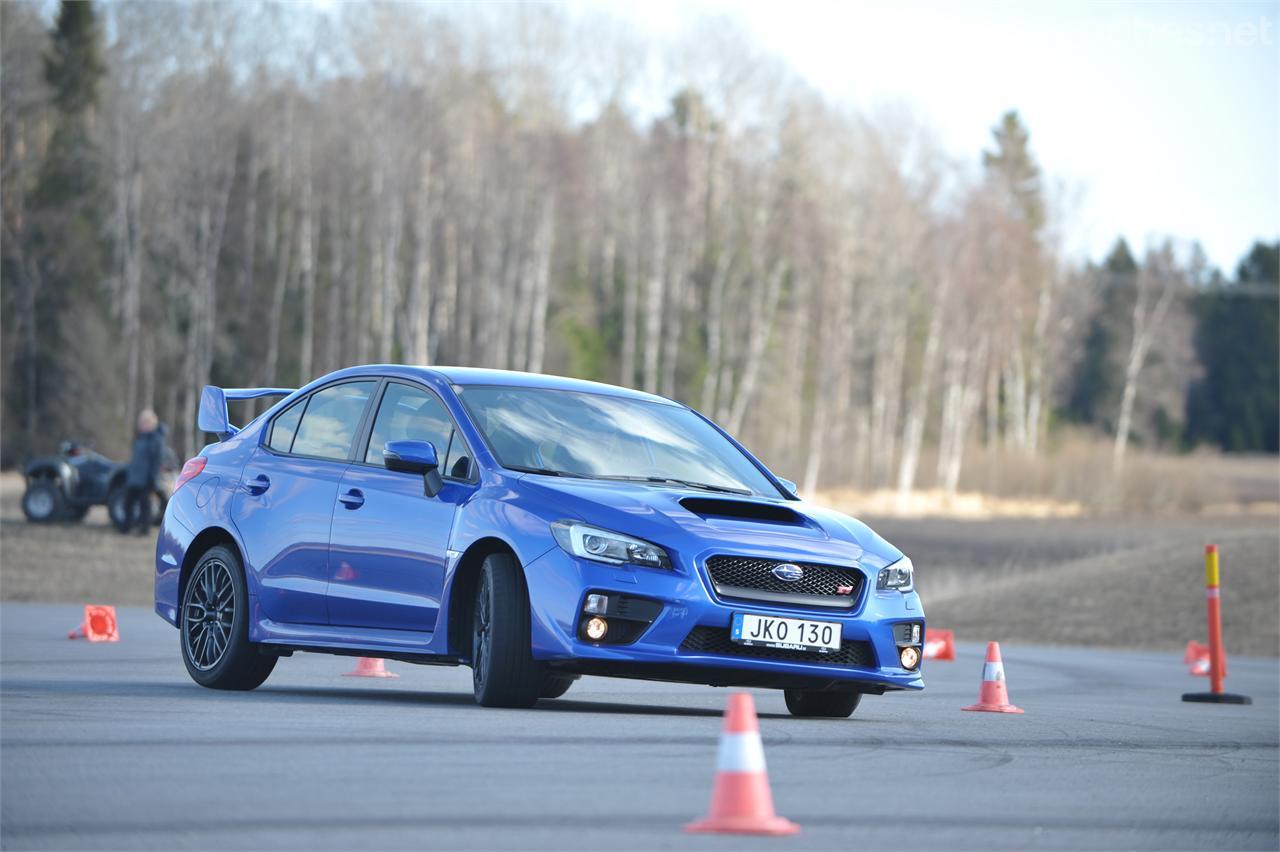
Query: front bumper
{"points": [[685, 642]]}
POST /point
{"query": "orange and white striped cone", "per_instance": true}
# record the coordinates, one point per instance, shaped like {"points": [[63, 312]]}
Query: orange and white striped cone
{"points": [[993, 697], [742, 802], [370, 667]]}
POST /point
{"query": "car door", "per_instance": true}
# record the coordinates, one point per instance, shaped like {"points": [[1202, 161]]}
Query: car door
{"points": [[287, 494], [389, 542]]}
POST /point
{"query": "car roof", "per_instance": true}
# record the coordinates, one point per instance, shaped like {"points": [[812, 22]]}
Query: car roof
{"points": [[468, 376]]}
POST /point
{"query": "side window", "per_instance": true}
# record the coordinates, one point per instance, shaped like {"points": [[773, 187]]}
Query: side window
{"points": [[330, 422], [410, 414], [284, 427]]}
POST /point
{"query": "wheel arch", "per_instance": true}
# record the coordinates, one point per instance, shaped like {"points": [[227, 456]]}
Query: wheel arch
{"points": [[208, 539], [462, 589], [55, 469]]}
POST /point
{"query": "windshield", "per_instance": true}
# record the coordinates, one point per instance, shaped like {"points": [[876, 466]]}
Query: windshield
{"points": [[609, 437]]}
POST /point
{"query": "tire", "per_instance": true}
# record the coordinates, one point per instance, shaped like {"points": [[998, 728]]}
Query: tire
{"points": [[43, 502], [831, 705], [553, 685], [216, 648], [117, 508], [503, 671]]}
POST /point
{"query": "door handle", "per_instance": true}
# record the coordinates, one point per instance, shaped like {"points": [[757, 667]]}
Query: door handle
{"points": [[258, 484], [353, 499]]}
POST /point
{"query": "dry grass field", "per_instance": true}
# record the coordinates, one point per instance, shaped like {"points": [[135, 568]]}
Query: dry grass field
{"points": [[1123, 582]]}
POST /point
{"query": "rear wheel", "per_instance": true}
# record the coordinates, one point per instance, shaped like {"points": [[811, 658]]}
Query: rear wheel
{"points": [[43, 501], [503, 671], [834, 705], [117, 507], [214, 626]]}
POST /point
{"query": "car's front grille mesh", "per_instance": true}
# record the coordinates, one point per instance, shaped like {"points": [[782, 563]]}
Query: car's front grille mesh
{"points": [[715, 640], [737, 573]]}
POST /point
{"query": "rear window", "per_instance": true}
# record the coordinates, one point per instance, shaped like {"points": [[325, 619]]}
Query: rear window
{"points": [[331, 419], [285, 426]]}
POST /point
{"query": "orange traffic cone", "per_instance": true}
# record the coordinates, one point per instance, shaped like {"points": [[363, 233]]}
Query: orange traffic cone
{"points": [[993, 697], [741, 802], [1197, 659], [370, 667], [939, 644], [99, 625]]}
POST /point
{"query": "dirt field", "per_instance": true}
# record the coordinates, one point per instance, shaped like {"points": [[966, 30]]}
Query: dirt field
{"points": [[1091, 581]]}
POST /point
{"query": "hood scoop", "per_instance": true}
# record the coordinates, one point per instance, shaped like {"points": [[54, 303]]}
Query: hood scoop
{"points": [[711, 507]]}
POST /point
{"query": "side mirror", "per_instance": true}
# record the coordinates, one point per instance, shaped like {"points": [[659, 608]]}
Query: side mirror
{"points": [[415, 457], [787, 484]]}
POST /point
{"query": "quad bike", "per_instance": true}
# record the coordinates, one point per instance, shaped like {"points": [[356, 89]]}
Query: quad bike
{"points": [[65, 486]]}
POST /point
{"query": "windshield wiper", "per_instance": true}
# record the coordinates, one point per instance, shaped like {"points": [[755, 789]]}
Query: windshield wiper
{"points": [[547, 471], [669, 480]]}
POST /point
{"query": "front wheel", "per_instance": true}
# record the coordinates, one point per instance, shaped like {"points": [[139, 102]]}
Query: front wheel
{"points": [[43, 502], [832, 705], [214, 626], [503, 671], [555, 685]]}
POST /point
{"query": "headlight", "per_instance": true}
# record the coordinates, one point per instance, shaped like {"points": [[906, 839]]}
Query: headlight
{"points": [[590, 542], [900, 576]]}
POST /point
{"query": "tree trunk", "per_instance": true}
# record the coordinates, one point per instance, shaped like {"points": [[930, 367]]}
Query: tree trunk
{"points": [[918, 408], [417, 347], [544, 248], [654, 297], [307, 273], [762, 330], [630, 303]]}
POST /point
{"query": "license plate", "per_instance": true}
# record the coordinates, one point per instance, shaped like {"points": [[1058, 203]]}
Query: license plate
{"points": [[793, 634]]}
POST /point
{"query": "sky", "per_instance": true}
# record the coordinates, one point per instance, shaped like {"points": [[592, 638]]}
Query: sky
{"points": [[1161, 118]]}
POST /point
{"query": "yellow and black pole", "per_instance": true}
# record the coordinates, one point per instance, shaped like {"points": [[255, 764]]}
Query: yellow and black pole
{"points": [[1217, 653]]}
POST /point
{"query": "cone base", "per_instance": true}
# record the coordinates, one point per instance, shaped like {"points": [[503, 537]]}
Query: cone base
{"points": [[776, 826], [1216, 698], [994, 708], [370, 674]]}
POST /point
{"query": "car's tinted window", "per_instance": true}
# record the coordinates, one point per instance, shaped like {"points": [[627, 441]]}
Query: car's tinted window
{"points": [[330, 422], [284, 427], [410, 414]]}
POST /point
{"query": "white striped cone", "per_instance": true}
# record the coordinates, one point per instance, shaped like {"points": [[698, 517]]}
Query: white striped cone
{"points": [[741, 802], [993, 697]]}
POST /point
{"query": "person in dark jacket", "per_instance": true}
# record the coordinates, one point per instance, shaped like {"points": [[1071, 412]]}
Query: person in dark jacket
{"points": [[141, 476]]}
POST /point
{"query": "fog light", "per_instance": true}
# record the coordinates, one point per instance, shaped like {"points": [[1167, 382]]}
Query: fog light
{"points": [[596, 628], [597, 604], [910, 657]]}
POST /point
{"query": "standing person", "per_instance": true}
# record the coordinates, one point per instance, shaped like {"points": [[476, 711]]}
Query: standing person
{"points": [[144, 470]]}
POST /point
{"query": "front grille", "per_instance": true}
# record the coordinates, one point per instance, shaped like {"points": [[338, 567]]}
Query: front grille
{"points": [[715, 640], [750, 578]]}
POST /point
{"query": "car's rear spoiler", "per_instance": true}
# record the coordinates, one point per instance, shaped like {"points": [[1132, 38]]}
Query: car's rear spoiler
{"points": [[213, 407]]}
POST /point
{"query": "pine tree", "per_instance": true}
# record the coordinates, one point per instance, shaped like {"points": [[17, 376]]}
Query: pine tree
{"points": [[66, 238], [1236, 404], [1014, 169], [1095, 386]]}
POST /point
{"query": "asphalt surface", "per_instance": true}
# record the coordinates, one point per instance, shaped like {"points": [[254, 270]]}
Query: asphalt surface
{"points": [[112, 746]]}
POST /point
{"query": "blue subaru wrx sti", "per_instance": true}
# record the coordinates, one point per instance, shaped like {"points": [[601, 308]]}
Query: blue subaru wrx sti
{"points": [[531, 527]]}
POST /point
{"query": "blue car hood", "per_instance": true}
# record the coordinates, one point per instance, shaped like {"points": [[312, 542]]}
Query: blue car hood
{"points": [[656, 514]]}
